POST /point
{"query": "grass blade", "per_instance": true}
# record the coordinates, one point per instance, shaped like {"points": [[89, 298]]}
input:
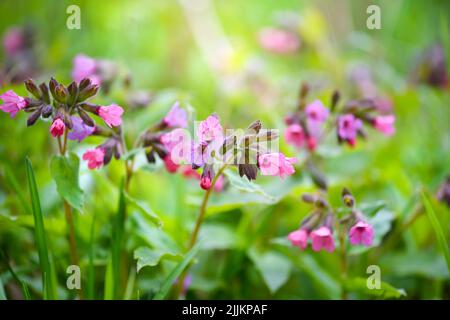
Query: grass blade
{"points": [[2, 291], [10, 177], [91, 267], [437, 229], [169, 281], [39, 233]]}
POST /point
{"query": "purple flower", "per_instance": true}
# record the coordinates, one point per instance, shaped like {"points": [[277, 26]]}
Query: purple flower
{"points": [[348, 126], [79, 130], [210, 129], [316, 111], [385, 124], [14, 41], [177, 117], [279, 41], [361, 233]]}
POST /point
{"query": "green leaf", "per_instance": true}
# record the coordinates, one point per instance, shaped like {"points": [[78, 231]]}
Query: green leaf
{"points": [[117, 241], [145, 209], [243, 184], [386, 291], [150, 257], [169, 281], [64, 171], [39, 234], [275, 268], [11, 178], [437, 229], [217, 236]]}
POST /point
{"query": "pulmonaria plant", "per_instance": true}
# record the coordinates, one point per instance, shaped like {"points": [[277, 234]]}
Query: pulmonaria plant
{"points": [[308, 125], [318, 227]]}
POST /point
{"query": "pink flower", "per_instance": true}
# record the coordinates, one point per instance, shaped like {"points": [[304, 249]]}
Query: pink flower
{"points": [[299, 238], [94, 158], [171, 166], [210, 129], [57, 128], [14, 41], [348, 126], [12, 103], [279, 41], [220, 182], [361, 233], [385, 124], [85, 67], [205, 182], [111, 114], [316, 111], [276, 164], [322, 238], [311, 143], [188, 172], [176, 117], [295, 135]]}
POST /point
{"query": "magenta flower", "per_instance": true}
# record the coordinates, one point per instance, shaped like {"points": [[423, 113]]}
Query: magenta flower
{"points": [[171, 166], [279, 41], [276, 164], [13, 41], [111, 114], [348, 126], [210, 129], [94, 157], [176, 117], [385, 124], [80, 130], [205, 182], [299, 238], [12, 103], [361, 233], [57, 127], [295, 135], [322, 238], [316, 111], [85, 67]]}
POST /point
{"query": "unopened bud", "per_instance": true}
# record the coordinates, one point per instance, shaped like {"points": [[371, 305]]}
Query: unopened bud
{"points": [[308, 198], [32, 88]]}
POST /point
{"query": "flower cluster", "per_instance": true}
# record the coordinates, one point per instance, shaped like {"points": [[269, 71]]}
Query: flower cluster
{"points": [[307, 125], [70, 113], [319, 225], [100, 72], [212, 147]]}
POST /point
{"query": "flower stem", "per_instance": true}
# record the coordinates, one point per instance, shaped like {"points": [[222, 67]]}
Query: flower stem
{"points": [[344, 263], [68, 213], [196, 231]]}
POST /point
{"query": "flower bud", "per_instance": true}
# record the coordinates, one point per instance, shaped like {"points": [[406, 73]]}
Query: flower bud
{"points": [[73, 92], [32, 88], [88, 92], [86, 118], [84, 83], [347, 198], [334, 100], [255, 126], [52, 85], [308, 198], [33, 117], [47, 111], [321, 203], [45, 93], [61, 94]]}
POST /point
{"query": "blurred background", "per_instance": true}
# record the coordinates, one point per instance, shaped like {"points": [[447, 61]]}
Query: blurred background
{"points": [[244, 60]]}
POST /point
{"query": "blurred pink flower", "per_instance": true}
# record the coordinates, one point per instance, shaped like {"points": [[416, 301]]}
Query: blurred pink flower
{"points": [[361, 233], [220, 182], [299, 238], [210, 129], [276, 164], [279, 41], [316, 111], [322, 238], [348, 126], [85, 67], [94, 158], [188, 172], [295, 135], [57, 128], [171, 166], [385, 124], [13, 41], [176, 117], [205, 182], [12, 103], [111, 114]]}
